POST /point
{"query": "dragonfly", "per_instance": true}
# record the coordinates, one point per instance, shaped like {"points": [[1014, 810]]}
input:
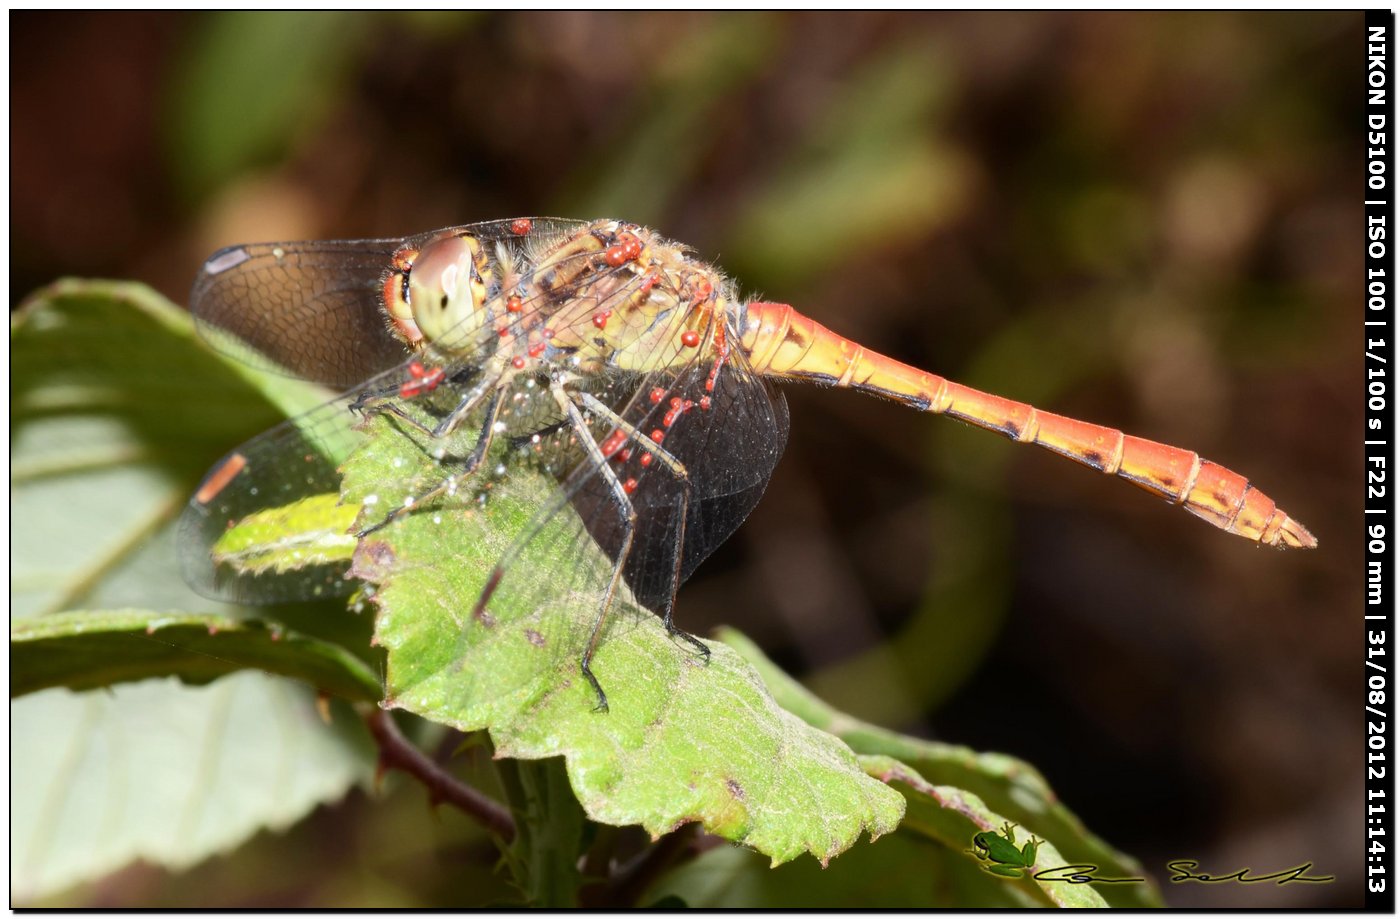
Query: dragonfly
{"points": [[614, 361]]}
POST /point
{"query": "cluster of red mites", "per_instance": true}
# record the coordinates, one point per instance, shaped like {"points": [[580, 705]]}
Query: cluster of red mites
{"points": [[614, 442], [678, 408], [627, 248], [424, 380]]}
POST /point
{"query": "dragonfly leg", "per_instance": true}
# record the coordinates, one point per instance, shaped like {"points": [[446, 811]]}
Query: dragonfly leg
{"points": [[449, 484], [390, 408], [386, 400], [669, 615], [588, 401], [629, 526], [677, 468], [386, 403], [368, 401], [468, 404]]}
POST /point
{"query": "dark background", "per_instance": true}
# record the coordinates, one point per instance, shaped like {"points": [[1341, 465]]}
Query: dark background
{"points": [[1150, 221]]}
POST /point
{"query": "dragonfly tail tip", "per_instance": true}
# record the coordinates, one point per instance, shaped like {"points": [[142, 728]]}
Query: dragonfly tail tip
{"points": [[1293, 535]]}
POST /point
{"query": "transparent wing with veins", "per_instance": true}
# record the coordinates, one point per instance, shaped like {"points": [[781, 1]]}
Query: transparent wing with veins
{"points": [[315, 309], [248, 296], [664, 483], [310, 310], [725, 452]]}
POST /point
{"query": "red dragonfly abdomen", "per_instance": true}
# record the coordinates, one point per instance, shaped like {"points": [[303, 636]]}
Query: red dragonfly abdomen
{"points": [[782, 343]]}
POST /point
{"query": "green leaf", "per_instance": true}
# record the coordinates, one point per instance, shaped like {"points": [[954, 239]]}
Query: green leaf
{"points": [[166, 773], [1011, 788], [898, 871], [114, 419], [953, 816], [684, 741], [314, 531], [89, 650], [116, 411]]}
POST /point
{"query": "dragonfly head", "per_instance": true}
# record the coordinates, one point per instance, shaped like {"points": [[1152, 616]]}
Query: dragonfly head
{"points": [[436, 294]]}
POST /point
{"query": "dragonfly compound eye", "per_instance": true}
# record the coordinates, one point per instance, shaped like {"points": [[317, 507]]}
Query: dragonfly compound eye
{"points": [[395, 299], [446, 293]]}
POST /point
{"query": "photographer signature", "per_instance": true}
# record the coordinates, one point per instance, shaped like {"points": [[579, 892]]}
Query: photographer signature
{"points": [[1183, 871], [1000, 856]]}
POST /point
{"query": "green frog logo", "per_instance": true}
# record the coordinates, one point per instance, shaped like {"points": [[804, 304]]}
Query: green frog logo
{"points": [[999, 852]]}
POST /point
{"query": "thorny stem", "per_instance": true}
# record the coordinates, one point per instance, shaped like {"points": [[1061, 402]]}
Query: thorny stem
{"points": [[396, 752], [632, 880], [545, 856], [625, 886]]}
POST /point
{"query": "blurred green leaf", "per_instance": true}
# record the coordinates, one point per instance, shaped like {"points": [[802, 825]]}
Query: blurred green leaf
{"points": [[872, 172], [251, 82], [164, 772], [899, 871], [438, 25], [638, 175], [92, 650], [115, 412]]}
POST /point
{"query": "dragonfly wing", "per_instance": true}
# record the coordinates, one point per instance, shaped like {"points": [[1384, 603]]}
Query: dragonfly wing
{"points": [[731, 458], [283, 486], [728, 452], [311, 309], [315, 309], [305, 309]]}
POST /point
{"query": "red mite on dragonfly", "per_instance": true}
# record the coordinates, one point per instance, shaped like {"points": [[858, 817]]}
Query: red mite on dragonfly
{"points": [[602, 354]]}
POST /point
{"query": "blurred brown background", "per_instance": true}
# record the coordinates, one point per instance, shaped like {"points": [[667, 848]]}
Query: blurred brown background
{"points": [[1144, 220]]}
